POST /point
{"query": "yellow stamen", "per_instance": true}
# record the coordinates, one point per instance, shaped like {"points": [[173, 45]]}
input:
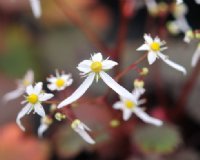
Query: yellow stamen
{"points": [[96, 67], [129, 104], [155, 46], [60, 82], [33, 98], [75, 123]]}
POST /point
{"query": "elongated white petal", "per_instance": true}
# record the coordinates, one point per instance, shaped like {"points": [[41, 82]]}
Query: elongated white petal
{"points": [[39, 109], [22, 113], [36, 8], [126, 114], [118, 105], [13, 94], [79, 91], [108, 64], [172, 64], [52, 79], [42, 128], [29, 76], [115, 86], [151, 57], [143, 47], [38, 88], [196, 56], [148, 39], [45, 96], [146, 118], [85, 136], [97, 57]]}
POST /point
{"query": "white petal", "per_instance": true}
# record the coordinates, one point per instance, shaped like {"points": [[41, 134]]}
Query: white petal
{"points": [[97, 57], [79, 91], [108, 64], [172, 64], [22, 113], [52, 79], [29, 89], [115, 86], [13, 94], [36, 8], [126, 114], [69, 82], [85, 135], [137, 92], [151, 57], [38, 88], [197, 1], [148, 39], [118, 105], [29, 76], [45, 96], [146, 118], [84, 66], [143, 47], [51, 86], [196, 56], [39, 109], [42, 128]]}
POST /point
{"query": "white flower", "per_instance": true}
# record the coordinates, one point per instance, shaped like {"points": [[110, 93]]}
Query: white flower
{"points": [[59, 82], [82, 129], [95, 68], [155, 47], [197, 1], [21, 86], [196, 56], [36, 8], [35, 96], [128, 106], [45, 122]]}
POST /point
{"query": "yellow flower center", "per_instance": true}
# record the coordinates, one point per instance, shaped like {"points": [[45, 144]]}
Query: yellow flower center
{"points": [[33, 98], [60, 82], [96, 67], [155, 46], [129, 104]]}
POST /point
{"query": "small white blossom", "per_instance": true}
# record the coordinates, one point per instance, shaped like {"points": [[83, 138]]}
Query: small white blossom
{"points": [[21, 86], [35, 96], [59, 82], [128, 107], [91, 69], [45, 122], [82, 130], [196, 56], [155, 47], [36, 8]]}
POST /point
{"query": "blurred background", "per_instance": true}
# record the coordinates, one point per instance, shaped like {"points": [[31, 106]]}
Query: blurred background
{"points": [[67, 32]]}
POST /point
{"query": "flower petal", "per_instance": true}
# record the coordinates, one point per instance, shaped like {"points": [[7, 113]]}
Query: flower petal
{"points": [[146, 118], [29, 76], [22, 113], [45, 96], [36, 8], [172, 64], [118, 105], [151, 57], [13, 94], [143, 47], [39, 109], [29, 89], [116, 87], [108, 64], [41, 129], [79, 91], [137, 92], [126, 114], [51, 86], [148, 38], [38, 88], [97, 57], [196, 56]]}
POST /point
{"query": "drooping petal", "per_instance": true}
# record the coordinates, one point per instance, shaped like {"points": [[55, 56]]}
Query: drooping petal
{"points": [[108, 64], [151, 57], [146, 118], [196, 56], [45, 96], [36, 8], [22, 113], [38, 88], [126, 114], [148, 38], [115, 86], [39, 109], [13, 94], [97, 57], [79, 91], [172, 64], [41, 129], [85, 136], [143, 47], [118, 105]]}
